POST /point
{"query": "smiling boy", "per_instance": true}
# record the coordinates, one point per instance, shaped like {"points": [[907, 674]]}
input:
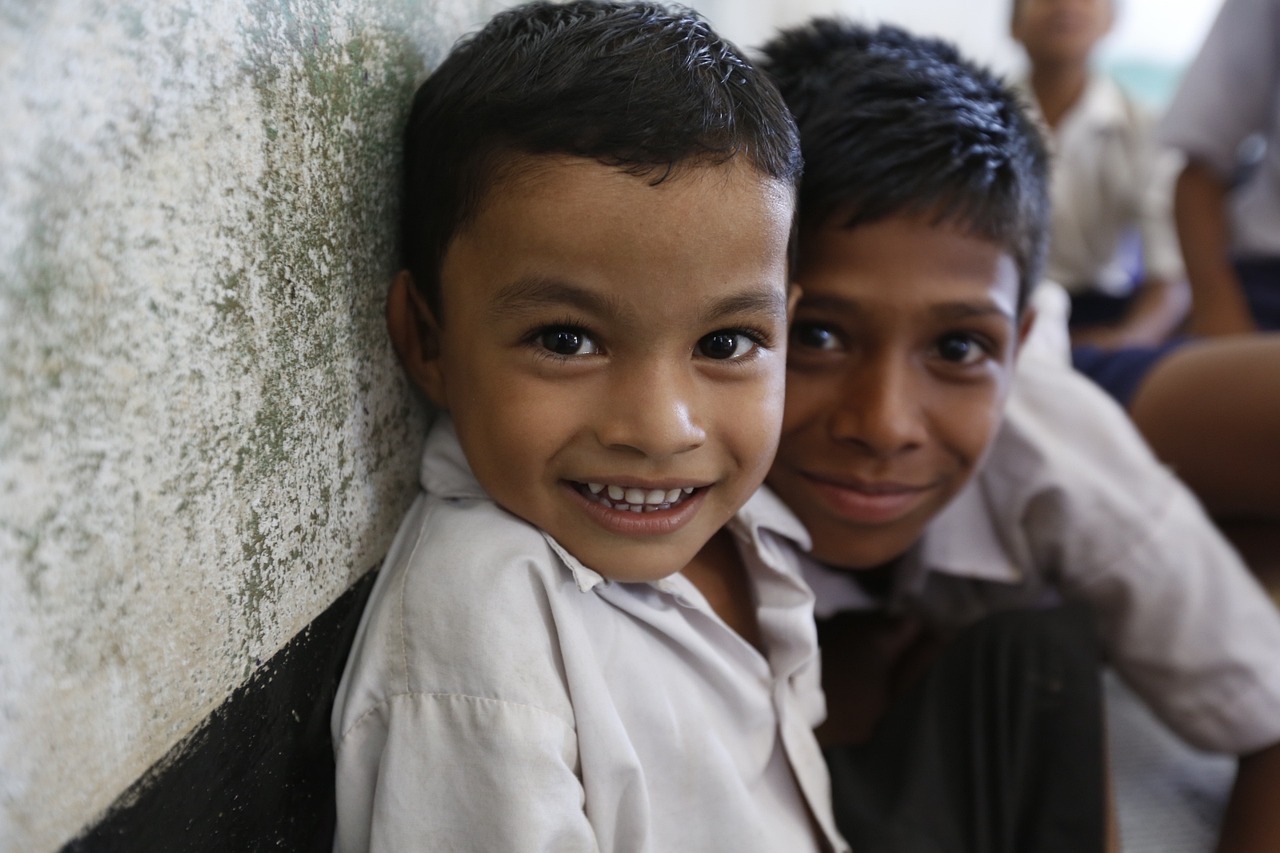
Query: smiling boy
{"points": [[584, 636], [940, 490], [932, 315]]}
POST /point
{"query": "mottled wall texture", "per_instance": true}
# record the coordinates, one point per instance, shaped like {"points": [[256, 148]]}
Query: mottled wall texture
{"points": [[204, 438]]}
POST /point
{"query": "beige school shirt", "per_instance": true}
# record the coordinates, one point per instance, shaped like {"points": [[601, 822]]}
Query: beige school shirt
{"points": [[1110, 181], [503, 697]]}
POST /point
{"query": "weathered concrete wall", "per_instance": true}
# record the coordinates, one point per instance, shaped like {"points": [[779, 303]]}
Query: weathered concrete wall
{"points": [[203, 435]]}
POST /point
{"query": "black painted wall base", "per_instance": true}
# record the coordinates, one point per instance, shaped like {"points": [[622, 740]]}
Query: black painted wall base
{"points": [[258, 773]]}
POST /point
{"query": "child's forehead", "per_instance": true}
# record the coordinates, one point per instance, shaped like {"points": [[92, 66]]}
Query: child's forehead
{"points": [[918, 255], [650, 207], [522, 172], [914, 229], [700, 231]]}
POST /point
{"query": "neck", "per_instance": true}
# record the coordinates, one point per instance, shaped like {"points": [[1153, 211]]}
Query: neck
{"points": [[720, 575], [1058, 87]]}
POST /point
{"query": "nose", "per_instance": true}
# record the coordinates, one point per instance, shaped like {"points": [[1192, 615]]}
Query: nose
{"points": [[652, 410], [881, 408]]}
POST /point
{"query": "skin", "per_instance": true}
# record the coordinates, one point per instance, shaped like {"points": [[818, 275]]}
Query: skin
{"points": [[902, 355], [1058, 37], [1200, 211], [598, 328], [1250, 824]]}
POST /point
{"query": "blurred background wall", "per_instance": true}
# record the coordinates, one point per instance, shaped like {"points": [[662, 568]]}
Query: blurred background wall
{"points": [[1147, 50], [204, 439]]}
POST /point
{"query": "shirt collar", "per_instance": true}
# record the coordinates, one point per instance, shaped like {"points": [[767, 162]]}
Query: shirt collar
{"points": [[446, 474], [765, 511], [1102, 105], [964, 540]]}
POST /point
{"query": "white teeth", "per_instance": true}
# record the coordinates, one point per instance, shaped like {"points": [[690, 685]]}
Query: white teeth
{"points": [[636, 499]]}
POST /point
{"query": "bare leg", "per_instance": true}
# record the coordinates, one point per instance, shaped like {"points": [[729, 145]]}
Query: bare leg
{"points": [[1211, 410]]}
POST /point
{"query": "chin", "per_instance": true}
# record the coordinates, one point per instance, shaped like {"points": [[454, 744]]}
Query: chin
{"points": [[858, 556]]}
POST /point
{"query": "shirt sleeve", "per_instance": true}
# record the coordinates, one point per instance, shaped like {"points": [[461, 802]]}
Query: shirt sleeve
{"points": [[459, 773], [1162, 255], [1227, 91], [1183, 619], [1193, 633]]}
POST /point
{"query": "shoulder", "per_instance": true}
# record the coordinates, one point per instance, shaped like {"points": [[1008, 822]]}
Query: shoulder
{"points": [[1068, 462], [462, 607]]}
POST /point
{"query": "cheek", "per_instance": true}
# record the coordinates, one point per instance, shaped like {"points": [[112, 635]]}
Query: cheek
{"points": [[805, 401], [752, 418], [968, 426], [760, 423]]}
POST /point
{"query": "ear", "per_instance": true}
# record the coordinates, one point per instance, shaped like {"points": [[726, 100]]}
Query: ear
{"points": [[1025, 325], [415, 335]]}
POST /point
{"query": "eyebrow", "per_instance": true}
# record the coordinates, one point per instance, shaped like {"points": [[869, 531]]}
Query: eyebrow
{"points": [[533, 292], [967, 310], [766, 300]]}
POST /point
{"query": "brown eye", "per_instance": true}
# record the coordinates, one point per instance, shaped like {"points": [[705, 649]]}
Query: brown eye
{"points": [[813, 336], [960, 349], [566, 341], [726, 344]]}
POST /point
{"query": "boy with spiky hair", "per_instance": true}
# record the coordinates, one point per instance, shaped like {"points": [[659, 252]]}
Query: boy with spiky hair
{"points": [[922, 224], [586, 636]]}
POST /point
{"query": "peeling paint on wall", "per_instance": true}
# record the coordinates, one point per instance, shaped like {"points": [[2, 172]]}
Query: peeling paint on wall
{"points": [[204, 438]]}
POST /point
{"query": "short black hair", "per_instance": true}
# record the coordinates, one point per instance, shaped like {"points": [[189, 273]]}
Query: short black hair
{"points": [[639, 86], [897, 124]]}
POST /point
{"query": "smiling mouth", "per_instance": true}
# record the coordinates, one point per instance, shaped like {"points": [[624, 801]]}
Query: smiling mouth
{"points": [[869, 502], [634, 498]]}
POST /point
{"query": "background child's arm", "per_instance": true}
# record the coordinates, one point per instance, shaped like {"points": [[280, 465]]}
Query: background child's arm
{"points": [[1252, 821]]}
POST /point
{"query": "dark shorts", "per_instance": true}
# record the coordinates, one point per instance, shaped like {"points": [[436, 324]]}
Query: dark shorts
{"points": [[998, 748], [1120, 371]]}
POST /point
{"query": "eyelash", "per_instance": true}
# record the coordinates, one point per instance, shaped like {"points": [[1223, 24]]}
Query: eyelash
{"points": [[760, 339], [534, 338], [802, 327], [982, 342]]}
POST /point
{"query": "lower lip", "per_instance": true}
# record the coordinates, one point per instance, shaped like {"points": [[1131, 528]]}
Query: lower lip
{"points": [[659, 522], [865, 507]]}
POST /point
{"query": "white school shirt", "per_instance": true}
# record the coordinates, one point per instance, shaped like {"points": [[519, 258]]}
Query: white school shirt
{"points": [[1109, 179], [502, 697], [1070, 504], [1231, 90]]}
